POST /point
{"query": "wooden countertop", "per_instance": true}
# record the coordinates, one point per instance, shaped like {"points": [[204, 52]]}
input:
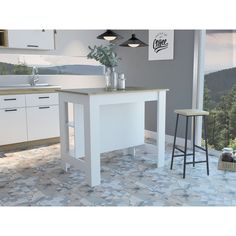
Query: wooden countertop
{"points": [[29, 90], [102, 91]]}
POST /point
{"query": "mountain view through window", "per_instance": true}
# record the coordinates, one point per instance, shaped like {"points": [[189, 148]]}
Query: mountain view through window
{"points": [[220, 87]]}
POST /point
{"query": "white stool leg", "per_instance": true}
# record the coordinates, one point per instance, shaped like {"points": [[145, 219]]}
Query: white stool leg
{"points": [[65, 166], [132, 151]]}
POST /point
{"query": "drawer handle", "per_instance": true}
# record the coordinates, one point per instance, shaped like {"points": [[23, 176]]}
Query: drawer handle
{"points": [[9, 99], [43, 97], [44, 107], [32, 46], [8, 110]]}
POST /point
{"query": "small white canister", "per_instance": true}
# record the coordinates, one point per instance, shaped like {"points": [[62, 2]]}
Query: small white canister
{"points": [[121, 81]]}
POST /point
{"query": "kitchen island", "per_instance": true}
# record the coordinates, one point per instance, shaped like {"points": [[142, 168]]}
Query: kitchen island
{"points": [[105, 121]]}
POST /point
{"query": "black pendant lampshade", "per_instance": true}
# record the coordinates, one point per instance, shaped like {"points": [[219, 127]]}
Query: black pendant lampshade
{"points": [[109, 35], [133, 42]]}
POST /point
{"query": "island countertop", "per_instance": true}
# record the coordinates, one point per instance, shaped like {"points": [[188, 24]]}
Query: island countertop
{"points": [[103, 91]]}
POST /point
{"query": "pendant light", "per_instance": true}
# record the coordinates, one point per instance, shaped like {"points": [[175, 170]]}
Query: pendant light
{"points": [[109, 35], [133, 42]]}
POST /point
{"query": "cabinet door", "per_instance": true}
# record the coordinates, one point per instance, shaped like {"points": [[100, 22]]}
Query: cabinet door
{"points": [[13, 126], [31, 39], [43, 122]]}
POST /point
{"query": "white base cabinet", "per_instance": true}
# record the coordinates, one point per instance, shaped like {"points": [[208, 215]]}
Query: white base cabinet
{"points": [[28, 117], [13, 126], [42, 122]]}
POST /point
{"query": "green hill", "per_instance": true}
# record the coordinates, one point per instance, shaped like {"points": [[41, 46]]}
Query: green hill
{"points": [[220, 83], [12, 69]]}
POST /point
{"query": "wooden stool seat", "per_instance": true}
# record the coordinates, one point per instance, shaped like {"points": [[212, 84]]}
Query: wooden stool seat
{"points": [[192, 112]]}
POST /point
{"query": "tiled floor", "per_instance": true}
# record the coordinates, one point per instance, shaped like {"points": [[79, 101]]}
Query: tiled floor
{"points": [[35, 177]]}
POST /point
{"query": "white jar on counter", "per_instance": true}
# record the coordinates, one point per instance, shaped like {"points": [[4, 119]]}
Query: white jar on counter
{"points": [[121, 81]]}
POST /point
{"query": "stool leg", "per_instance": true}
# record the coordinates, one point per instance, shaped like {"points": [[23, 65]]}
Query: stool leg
{"points": [[206, 146], [185, 147], [194, 140], [173, 151]]}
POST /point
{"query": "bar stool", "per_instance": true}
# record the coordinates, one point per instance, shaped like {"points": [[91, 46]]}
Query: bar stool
{"points": [[188, 113]]}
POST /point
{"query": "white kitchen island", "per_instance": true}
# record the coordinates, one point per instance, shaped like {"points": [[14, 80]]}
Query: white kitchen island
{"points": [[105, 121]]}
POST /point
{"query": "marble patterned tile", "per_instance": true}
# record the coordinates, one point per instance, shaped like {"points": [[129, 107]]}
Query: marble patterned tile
{"points": [[35, 178]]}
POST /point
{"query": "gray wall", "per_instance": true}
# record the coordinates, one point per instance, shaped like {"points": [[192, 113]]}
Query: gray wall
{"points": [[175, 75]]}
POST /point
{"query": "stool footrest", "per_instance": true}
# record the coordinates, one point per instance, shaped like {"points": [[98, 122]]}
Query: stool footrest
{"points": [[182, 155], [200, 147], [179, 149], [195, 162]]}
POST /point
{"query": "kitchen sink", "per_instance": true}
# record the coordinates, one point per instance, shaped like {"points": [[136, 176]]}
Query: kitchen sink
{"points": [[24, 85]]}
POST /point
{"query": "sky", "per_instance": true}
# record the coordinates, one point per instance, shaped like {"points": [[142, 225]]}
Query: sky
{"points": [[220, 50]]}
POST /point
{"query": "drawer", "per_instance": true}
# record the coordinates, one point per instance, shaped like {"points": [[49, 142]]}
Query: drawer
{"points": [[41, 99], [11, 101]]}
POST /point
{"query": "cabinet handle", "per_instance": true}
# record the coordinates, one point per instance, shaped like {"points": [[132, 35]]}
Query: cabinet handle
{"points": [[9, 99], [43, 97], [44, 107], [8, 110], [32, 46]]}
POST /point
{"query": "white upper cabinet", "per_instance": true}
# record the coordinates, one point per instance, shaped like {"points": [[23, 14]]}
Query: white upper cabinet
{"points": [[31, 39]]}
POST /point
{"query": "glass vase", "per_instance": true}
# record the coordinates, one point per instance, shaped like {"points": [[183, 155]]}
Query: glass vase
{"points": [[111, 79], [114, 78]]}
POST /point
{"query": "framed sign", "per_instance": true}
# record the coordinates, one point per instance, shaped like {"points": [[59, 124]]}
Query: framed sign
{"points": [[161, 45]]}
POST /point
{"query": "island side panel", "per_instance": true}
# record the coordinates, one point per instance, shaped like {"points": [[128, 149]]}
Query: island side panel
{"points": [[122, 126], [161, 124], [64, 132], [79, 130], [92, 142]]}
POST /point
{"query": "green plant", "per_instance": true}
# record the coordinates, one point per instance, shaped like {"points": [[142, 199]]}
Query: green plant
{"points": [[104, 54], [3, 70], [22, 69], [233, 144], [221, 123]]}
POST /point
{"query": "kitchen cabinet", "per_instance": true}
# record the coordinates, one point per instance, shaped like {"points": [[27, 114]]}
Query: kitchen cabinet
{"points": [[42, 116], [28, 117], [12, 119], [31, 39], [42, 122], [12, 125]]}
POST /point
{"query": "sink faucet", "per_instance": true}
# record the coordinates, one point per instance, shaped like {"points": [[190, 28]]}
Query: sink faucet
{"points": [[35, 76]]}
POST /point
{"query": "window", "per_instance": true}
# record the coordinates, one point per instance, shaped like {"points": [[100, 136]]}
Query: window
{"points": [[220, 88], [17, 64]]}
